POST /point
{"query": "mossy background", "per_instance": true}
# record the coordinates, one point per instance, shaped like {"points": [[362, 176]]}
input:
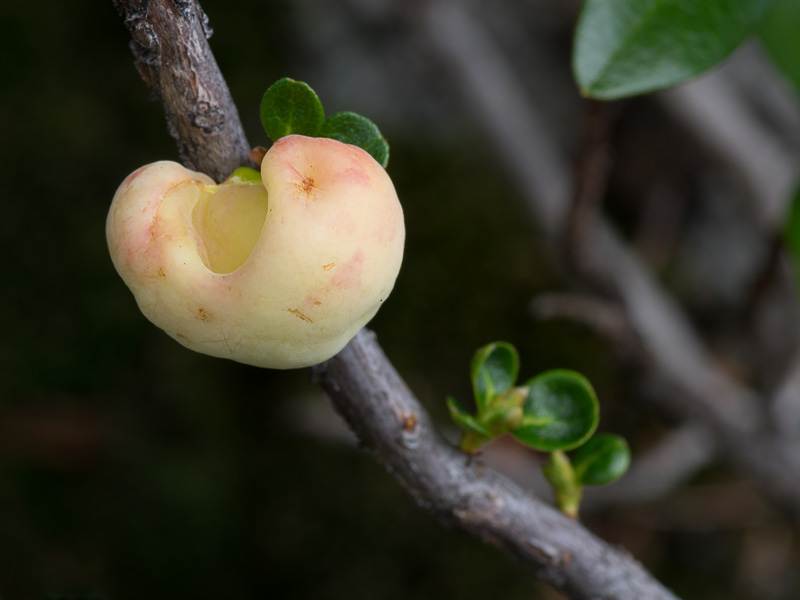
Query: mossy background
{"points": [[132, 468]]}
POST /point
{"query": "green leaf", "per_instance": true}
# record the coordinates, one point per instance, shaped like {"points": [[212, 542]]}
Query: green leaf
{"points": [[561, 411], [494, 370], [601, 460], [779, 35], [288, 107], [352, 128], [465, 420], [628, 47]]}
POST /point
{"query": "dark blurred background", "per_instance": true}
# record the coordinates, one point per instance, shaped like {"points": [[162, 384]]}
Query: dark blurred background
{"points": [[131, 467]]}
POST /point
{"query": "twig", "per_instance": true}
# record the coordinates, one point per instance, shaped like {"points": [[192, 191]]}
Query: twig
{"points": [[378, 406], [170, 43]]}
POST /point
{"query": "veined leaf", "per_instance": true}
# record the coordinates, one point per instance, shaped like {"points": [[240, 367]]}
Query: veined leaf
{"points": [[288, 107], [352, 128]]}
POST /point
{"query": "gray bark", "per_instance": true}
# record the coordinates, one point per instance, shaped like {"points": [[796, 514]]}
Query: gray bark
{"points": [[170, 43]]}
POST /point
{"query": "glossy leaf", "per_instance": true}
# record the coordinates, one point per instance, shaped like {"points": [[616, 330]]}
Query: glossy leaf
{"points": [[494, 370], [290, 106], [779, 33], [628, 47], [352, 128], [560, 411], [465, 420], [601, 460]]}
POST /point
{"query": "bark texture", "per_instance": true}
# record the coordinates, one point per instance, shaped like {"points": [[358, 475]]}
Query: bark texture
{"points": [[170, 44]]}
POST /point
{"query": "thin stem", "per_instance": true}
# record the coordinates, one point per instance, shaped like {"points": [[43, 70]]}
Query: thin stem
{"points": [[561, 475]]}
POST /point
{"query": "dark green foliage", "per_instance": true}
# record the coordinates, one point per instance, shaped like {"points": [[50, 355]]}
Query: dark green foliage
{"points": [[560, 411], [290, 107], [352, 128], [628, 47], [601, 460]]}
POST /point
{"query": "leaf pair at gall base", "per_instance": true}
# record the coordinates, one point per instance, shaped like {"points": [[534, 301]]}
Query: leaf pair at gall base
{"points": [[292, 107], [557, 410]]}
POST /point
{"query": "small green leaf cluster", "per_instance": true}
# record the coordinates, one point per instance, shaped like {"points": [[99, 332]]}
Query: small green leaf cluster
{"points": [[292, 107], [555, 411]]}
